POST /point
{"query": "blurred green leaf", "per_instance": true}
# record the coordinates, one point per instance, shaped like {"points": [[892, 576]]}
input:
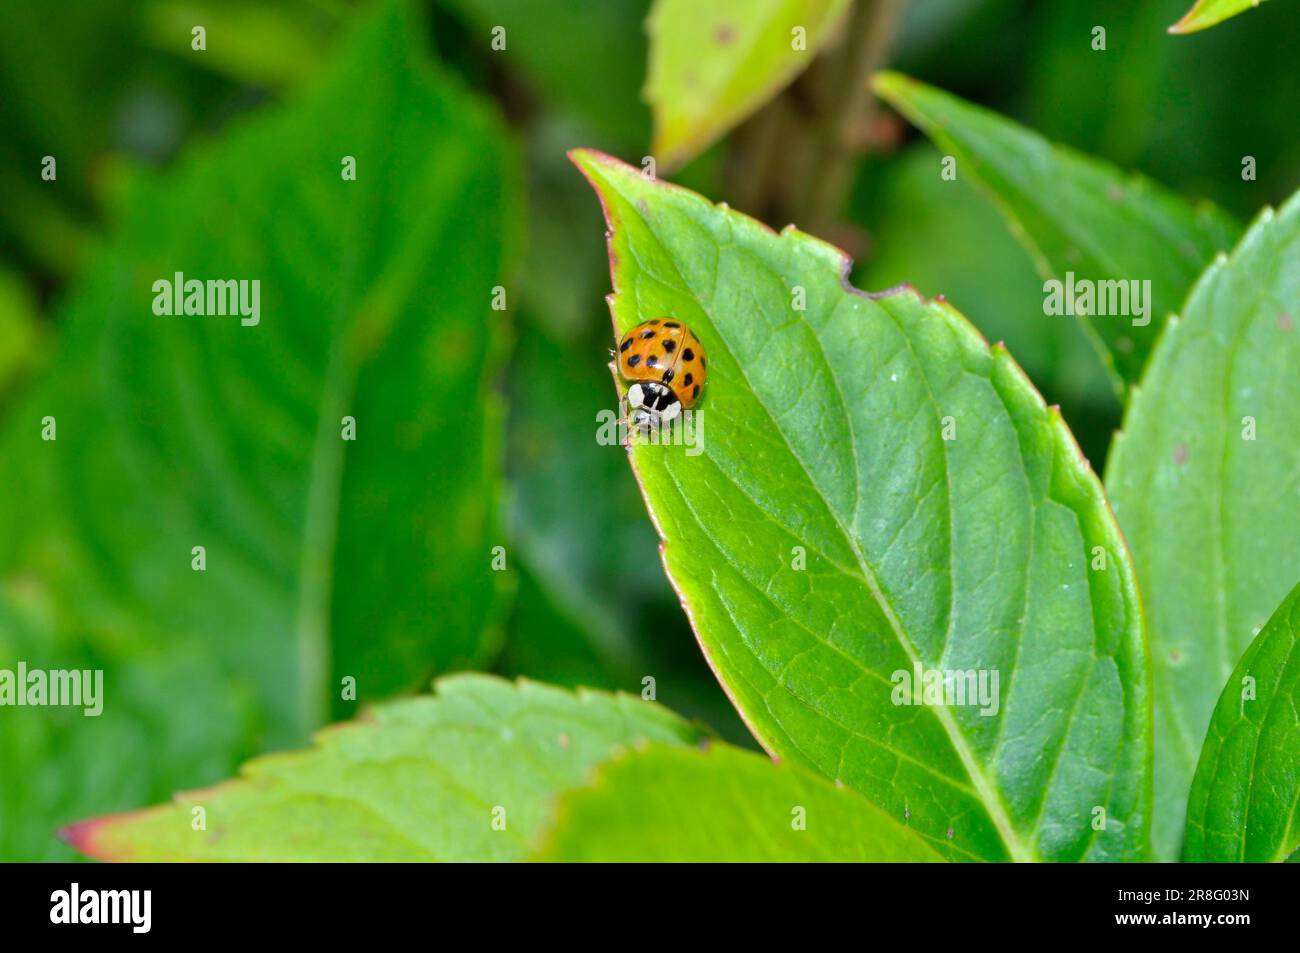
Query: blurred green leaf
{"points": [[563, 271], [1245, 801], [467, 775], [711, 65], [1208, 504], [1199, 115], [325, 558], [583, 57], [971, 554], [149, 740], [21, 344], [560, 643], [682, 805], [1206, 13], [84, 100], [57, 91], [260, 44], [1076, 215]]}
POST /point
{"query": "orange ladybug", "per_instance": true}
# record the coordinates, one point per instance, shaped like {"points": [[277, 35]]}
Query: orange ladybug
{"points": [[665, 362]]}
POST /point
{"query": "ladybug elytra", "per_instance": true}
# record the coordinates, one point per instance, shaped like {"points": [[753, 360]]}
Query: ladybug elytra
{"points": [[665, 362]]}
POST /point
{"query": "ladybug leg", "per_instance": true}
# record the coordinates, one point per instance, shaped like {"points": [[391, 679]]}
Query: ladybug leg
{"points": [[641, 420]]}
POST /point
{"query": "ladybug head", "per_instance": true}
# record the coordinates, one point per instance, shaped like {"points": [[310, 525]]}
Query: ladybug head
{"points": [[652, 403]]}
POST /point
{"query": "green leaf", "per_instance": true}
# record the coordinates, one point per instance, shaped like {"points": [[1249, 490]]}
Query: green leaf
{"points": [[1245, 801], [674, 804], [1076, 216], [713, 64], [468, 774], [1212, 516], [825, 442], [1207, 13], [325, 558]]}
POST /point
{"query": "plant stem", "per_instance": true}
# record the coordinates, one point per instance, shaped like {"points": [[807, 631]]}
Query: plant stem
{"points": [[754, 159], [847, 108]]}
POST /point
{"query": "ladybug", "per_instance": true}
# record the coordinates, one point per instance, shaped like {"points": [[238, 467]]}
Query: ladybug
{"points": [[665, 362]]}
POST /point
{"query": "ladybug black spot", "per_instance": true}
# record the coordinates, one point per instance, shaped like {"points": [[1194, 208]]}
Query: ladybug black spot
{"points": [[688, 355], [671, 324], [652, 361], [625, 345], [670, 346], [696, 392], [647, 335], [687, 380], [634, 360], [670, 374], [654, 321]]}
